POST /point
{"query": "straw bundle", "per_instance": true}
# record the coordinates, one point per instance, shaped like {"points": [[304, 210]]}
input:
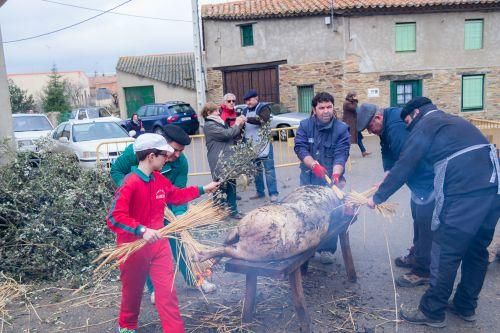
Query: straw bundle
{"points": [[358, 199], [200, 214], [338, 192], [9, 290]]}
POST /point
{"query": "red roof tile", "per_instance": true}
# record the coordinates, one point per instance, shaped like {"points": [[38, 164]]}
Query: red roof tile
{"points": [[248, 9]]}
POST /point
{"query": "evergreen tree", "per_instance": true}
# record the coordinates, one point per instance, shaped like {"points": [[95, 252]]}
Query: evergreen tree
{"points": [[20, 101], [55, 97]]}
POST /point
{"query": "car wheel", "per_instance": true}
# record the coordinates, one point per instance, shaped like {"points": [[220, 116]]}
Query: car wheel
{"points": [[159, 130], [283, 135]]}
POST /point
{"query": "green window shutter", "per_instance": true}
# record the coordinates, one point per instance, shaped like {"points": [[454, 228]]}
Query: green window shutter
{"points": [[246, 35], [406, 39], [472, 92], [473, 37], [306, 94]]}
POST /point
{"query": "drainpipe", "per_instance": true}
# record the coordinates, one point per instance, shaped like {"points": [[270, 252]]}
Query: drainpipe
{"points": [[199, 73]]}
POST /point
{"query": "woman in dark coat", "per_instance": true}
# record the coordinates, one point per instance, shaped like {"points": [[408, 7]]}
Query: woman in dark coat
{"points": [[219, 139], [135, 124], [350, 117]]}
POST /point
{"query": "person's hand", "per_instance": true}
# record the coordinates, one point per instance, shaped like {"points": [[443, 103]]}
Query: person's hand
{"points": [[212, 187], [370, 203], [319, 170], [151, 235], [240, 121], [336, 178], [377, 185]]}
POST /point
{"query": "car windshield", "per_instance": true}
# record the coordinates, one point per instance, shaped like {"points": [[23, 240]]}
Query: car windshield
{"points": [[182, 108], [31, 123], [277, 109], [98, 131]]}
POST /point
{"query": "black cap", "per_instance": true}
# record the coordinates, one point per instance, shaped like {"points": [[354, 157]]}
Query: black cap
{"points": [[415, 103], [249, 94], [177, 134], [365, 114]]}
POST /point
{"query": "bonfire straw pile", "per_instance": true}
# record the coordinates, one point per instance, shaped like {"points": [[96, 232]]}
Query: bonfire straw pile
{"points": [[200, 214], [358, 199]]}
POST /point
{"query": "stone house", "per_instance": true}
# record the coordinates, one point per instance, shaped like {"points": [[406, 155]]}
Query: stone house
{"points": [[387, 50], [154, 79]]}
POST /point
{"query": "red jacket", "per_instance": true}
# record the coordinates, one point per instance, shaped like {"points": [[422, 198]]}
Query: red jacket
{"points": [[228, 115], [141, 201]]}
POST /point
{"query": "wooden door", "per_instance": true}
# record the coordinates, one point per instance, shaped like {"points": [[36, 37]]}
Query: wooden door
{"points": [[264, 80], [135, 97]]}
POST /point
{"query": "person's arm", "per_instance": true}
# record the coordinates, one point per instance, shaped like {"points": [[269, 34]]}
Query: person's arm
{"points": [[123, 165], [220, 133], [413, 152], [341, 151], [179, 196], [262, 118], [180, 181], [118, 218]]}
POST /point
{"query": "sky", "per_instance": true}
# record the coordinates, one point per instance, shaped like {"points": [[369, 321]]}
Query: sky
{"points": [[96, 45]]}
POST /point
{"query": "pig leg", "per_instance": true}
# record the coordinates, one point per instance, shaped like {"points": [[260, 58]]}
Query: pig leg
{"points": [[227, 251], [232, 237]]}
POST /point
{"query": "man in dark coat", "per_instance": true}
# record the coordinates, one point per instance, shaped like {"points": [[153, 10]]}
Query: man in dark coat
{"points": [[467, 207], [349, 117], [322, 145], [388, 125]]}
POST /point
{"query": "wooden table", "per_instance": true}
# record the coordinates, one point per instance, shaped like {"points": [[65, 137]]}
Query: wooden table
{"points": [[288, 269]]}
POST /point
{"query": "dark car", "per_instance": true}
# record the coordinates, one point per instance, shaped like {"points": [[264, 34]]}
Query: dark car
{"points": [[155, 116]]}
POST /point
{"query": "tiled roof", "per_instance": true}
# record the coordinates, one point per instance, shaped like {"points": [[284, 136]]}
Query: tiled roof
{"points": [[251, 9], [176, 69]]}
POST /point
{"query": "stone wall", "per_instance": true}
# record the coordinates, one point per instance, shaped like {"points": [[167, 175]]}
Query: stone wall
{"points": [[215, 88], [324, 76]]}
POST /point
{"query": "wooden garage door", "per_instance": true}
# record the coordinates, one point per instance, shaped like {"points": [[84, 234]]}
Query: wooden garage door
{"points": [[265, 81]]}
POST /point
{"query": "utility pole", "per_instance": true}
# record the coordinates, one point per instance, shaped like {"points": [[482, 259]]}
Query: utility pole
{"points": [[5, 109], [200, 77]]}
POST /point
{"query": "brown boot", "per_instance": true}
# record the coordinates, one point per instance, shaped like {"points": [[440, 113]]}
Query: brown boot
{"points": [[410, 280], [406, 261]]}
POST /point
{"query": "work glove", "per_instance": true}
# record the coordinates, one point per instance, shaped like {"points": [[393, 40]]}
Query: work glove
{"points": [[336, 178], [319, 170]]}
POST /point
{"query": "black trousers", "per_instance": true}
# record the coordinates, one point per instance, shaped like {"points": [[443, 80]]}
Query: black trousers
{"points": [[466, 230], [422, 237]]}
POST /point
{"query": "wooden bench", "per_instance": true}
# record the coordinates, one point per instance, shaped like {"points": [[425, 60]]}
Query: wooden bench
{"points": [[287, 269]]}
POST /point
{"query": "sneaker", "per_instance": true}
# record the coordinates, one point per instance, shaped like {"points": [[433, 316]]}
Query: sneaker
{"points": [[419, 318], [126, 330], [273, 198], [410, 280], [208, 287], [406, 261], [237, 216], [470, 317], [257, 196], [152, 298], [326, 258], [366, 154]]}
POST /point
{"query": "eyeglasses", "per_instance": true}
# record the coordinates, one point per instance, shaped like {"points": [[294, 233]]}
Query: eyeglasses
{"points": [[231, 101], [162, 154]]}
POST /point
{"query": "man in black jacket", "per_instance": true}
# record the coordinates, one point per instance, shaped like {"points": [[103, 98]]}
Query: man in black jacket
{"points": [[467, 207], [388, 125]]}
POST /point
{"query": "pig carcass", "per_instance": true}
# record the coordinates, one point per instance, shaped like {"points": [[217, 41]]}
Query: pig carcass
{"points": [[278, 231]]}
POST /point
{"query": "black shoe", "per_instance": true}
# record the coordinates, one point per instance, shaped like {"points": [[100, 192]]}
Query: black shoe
{"points": [[237, 216], [410, 280], [470, 317], [406, 261], [238, 197], [417, 317]]}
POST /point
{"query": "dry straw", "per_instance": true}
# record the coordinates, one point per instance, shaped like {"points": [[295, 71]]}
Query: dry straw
{"points": [[354, 198], [9, 290], [200, 214]]}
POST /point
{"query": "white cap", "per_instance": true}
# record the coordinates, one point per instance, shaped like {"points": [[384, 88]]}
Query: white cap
{"points": [[151, 141]]}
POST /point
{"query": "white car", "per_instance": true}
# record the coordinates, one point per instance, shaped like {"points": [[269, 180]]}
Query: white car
{"points": [[82, 137], [93, 113], [28, 128]]}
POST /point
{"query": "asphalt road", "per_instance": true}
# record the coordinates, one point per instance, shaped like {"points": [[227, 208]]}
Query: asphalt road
{"points": [[370, 249]]}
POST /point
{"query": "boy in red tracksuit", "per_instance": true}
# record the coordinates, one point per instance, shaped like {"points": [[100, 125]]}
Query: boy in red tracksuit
{"points": [[137, 212]]}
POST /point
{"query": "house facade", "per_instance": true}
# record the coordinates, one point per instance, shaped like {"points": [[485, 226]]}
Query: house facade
{"points": [[103, 89], [388, 51], [150, 79]]}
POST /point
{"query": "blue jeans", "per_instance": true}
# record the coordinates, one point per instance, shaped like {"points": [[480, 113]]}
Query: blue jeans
{"points": [[265, 165]]}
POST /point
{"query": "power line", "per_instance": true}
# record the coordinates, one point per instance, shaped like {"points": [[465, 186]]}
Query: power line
{"points": [[67, 27], [115, 13]]}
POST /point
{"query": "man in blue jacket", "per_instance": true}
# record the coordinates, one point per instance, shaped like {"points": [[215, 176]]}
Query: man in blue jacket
{"points": [[322, 144], [388, 125], [467, 208]]}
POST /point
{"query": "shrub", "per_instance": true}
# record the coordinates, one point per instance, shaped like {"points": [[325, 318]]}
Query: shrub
{"points": [[52, 215]]}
